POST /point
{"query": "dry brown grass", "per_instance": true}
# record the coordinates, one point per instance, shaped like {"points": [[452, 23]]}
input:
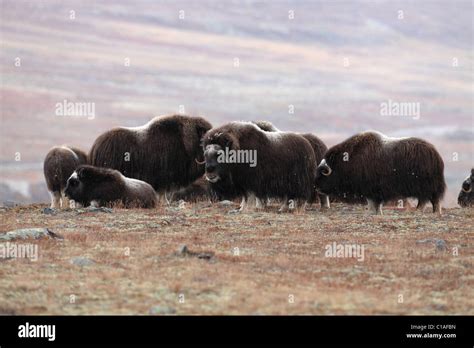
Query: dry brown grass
{"points": [[280, 255]]}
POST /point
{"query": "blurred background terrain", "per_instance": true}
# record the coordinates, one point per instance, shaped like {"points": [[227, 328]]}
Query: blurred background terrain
{"points": [[318, 66]]}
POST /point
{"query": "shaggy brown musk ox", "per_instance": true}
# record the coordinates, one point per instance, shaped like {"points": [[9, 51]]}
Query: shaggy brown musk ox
{"points": [[466, 195], [162, 153], [285, 165], [59, 163], [382, 169], [225, 188], [96, 186]]}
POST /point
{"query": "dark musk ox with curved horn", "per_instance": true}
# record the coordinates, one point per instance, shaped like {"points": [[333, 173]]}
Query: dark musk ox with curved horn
{"points": [[382, 169], [466, 196], [284, 164], [165, 152], [224, 188]]}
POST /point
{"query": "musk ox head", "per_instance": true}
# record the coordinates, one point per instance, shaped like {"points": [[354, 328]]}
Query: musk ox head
{"points": [[214, 142], [83, 184], [75, 186], [327, 178], [214, 170], [466, 196]]}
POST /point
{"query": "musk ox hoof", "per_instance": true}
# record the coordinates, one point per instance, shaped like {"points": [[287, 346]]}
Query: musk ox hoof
{"points": [[235, 211]]}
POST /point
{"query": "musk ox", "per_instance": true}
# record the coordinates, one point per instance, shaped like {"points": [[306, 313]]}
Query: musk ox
{"points": [[258, 163], [96, 186], [197, 191], [382, 169], [319, 149], [162, 153], [59, 164], [225, 188], [466, 196]]}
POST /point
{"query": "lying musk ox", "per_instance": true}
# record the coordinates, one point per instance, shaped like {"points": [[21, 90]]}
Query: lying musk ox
{"points": [[163, 152], [96, 186], [284, 167], [59, 164], [466, 196], [382, 169], [197, 191]]}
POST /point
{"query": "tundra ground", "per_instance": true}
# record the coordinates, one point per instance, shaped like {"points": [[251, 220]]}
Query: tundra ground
{"points": [[128, 262]]}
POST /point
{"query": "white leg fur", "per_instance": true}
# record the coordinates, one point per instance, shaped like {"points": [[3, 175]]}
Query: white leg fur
{"points": [[55, 200], [325, 202], [65, 202], [251, 200], [284, 206], [375, 208], [259, 204], [243, 204]]}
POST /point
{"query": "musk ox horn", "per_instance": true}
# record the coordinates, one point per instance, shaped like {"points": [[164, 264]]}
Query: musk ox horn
{"points": [[326, 168], [199, 162]]}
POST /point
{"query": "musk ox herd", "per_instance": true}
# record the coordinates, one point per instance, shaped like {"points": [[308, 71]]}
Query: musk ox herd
{"points": [[176, 157]]}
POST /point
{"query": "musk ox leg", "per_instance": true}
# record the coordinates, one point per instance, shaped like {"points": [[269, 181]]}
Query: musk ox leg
{"points": [[73, 204], [55, 200], [95, 204], [284, 206], [436, 206], [65, 202], [164, 197], [375, 207], [251, 200], [421, 204], [166, 194], [260, 204], [242, 208], [296, 204], [243, 204], [324, 199]]}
